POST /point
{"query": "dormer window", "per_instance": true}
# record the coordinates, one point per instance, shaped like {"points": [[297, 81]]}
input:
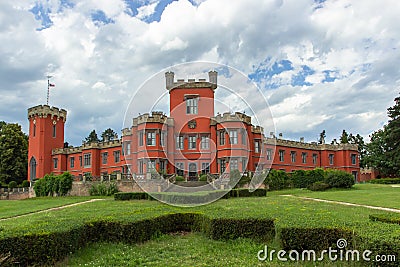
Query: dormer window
{"points": [[191, 104]]}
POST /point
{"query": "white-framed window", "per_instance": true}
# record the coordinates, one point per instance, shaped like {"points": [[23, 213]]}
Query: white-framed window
{"points": [[244, 164], [192, 142], [179, 142], [281, 155], [293, 156], [233, 164], [303, 157], [179, 167], [222, 138], [104, 157], [205, 167], [151, 138], [72, 162], [244, 136], [151, 165], [117, 156], [140, 166], [314, 159], [257, 146], [222, 165], [140, 138], [191, 105], [205, 142], [269, 154], [87, 160], [353, 159], [331, 159], [233, 137], [127, 148], [163, 136]]}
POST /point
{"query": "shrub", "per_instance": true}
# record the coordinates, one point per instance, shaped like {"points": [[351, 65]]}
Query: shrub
{"points": [[277, 180], [318, 186], [25, 183], [65, 183], [386, 218], [12, 184], [38, 249], [179, 178], [386, 181], [244, 192], [203, 178], [316, 238], [103, 189], [303, 179], [131, 195], [51, 184], [339, 179]]}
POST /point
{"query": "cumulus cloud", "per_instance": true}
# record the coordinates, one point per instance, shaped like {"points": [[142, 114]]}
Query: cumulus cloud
{"points": [[322, 65]]}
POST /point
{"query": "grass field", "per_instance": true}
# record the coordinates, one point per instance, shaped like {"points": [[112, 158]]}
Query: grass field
{"points": [[365, 194], [12, 208], [194, 249]]}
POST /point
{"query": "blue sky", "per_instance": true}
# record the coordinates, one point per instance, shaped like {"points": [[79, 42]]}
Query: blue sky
{"points": [[320, 64]]}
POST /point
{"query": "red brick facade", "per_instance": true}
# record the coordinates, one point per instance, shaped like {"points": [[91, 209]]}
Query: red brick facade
{"points": [[191, 141]]}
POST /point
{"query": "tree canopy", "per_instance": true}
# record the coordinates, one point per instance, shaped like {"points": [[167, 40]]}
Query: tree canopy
{"points": [[13, 153], [109, 135], [383, 152], [92, 138]]}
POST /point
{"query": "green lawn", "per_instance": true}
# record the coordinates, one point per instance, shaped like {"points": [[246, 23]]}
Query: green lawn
{"points": [[365, 194], [194, 249], [12, 208]]}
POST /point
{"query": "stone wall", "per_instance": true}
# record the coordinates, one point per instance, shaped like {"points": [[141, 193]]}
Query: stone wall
{"points": [[16, 193]]}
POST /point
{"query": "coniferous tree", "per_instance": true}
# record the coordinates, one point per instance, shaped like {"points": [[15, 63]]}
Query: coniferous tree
{"points": [[344, 138], [109, 135], [92, 138]]}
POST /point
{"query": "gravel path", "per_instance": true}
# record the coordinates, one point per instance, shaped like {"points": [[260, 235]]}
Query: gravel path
{"points": [[345, 203], [51, 209]]}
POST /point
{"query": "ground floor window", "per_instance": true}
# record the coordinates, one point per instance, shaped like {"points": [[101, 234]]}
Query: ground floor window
{"points": [[205, 167], [222, 166], [179, 168]]}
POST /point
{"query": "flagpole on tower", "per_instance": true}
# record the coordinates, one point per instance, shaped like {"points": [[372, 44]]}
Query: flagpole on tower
{"points": [[48, 88]]}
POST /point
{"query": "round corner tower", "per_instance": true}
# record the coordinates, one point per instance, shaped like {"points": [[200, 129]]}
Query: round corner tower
{"points": [[46, 132]]}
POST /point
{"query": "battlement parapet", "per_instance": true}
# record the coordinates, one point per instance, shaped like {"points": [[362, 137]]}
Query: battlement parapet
{"points": [[42, 111]]}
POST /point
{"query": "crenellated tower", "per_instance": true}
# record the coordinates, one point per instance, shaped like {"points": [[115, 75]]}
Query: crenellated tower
{"points": [[46, 132]]}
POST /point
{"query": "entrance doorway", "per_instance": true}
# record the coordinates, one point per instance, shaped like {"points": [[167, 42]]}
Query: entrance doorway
{"points": [[192, 172]]}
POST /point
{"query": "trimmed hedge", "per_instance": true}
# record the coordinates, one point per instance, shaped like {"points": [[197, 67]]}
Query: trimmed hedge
{"points": [[172, 197], [318, 186], [132, 195], [48, 248], [386, 218], [386, 181], [297, 238]]}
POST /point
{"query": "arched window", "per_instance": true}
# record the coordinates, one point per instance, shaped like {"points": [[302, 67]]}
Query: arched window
{"points": [[32, 166]]}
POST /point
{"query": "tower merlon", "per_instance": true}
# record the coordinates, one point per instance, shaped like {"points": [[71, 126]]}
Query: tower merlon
{"points": [[191, 83], [42, 111]]}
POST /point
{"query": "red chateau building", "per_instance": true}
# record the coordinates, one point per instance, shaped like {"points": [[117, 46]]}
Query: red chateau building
{"points": [[191, 141]]}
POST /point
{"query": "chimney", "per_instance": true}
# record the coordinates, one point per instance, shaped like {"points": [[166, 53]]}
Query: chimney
{"points": [[280, 135], [301, 139]]}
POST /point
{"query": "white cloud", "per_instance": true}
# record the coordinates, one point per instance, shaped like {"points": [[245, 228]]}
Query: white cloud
{"points": [[97, 68]]}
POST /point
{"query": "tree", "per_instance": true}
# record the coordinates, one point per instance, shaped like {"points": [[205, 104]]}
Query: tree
{"points": [[393, 137], [109, 135], [344, 139], [92, 138], [13, 153], [376, 152], [322, 137], [362, 148]]}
